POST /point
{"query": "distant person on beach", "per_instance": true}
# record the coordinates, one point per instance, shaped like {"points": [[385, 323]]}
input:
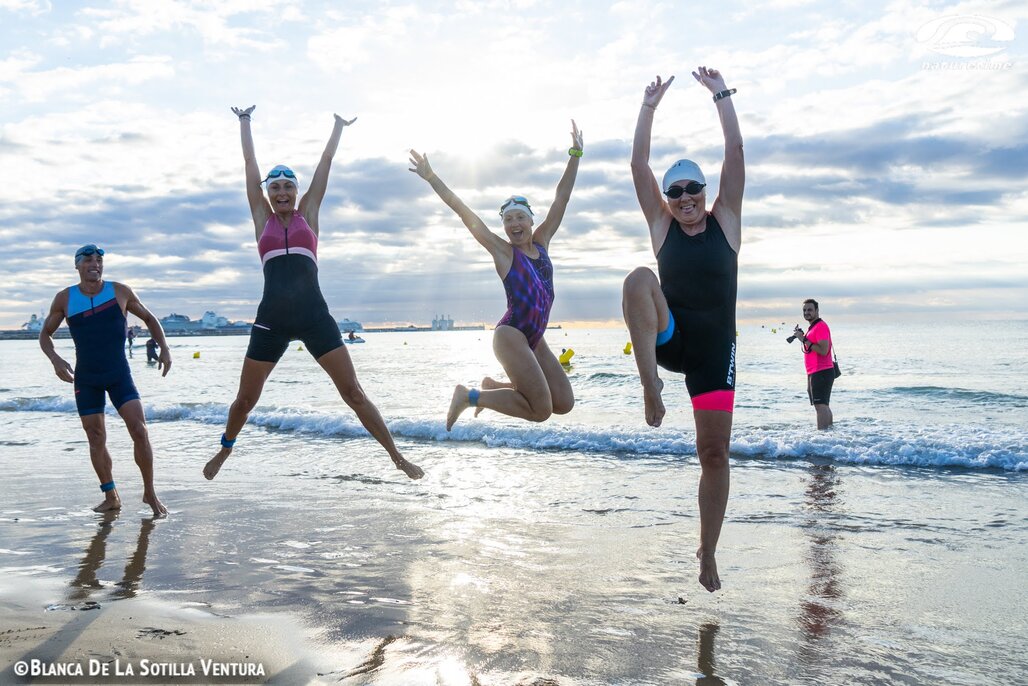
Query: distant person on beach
{"points": [[292, 306], [151, 350], [131, 338], [538, 385], [817, 356], [684, 320], [96, 310]]}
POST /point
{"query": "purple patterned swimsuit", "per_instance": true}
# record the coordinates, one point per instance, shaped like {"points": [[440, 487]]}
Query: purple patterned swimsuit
{"points": [[529, 286]]}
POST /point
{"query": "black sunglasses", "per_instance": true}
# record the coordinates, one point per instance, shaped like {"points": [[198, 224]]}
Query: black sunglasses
{"points": [[692, 188]]}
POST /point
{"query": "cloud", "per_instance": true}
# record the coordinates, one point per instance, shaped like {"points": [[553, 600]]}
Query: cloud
{"points": [[867, 174]]}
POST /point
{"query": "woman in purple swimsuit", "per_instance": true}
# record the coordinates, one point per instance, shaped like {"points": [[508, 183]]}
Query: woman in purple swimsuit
{"points": [[538, 384]]}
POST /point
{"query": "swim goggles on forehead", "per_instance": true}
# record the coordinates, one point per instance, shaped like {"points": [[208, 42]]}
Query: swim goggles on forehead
{"points": [[692, 188], [276, 173], [89, 250], [515, 200]]}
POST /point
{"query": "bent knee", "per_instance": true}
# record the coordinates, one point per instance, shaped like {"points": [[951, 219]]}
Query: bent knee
{"points": [[138, 432], [563, 406], [640, 278], [96, 436], [245, 403], [541, 410], [353, 394]]}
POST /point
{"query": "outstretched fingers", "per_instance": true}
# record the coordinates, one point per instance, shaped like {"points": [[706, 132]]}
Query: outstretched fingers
{"points": [[244, 113], [419, 164], [655, 91], [576, 135], [343, 121]]}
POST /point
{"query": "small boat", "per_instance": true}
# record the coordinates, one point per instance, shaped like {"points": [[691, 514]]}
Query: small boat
{"points": [[351, 341]]}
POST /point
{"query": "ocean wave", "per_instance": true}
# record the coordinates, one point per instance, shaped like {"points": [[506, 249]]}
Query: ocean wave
{"points": [[49, 403], [963, 395], [868, 443]]}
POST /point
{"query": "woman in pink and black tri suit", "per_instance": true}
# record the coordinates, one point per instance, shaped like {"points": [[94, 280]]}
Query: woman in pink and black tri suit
{"points": [[684, 320], [538, 385], [292, 307]]}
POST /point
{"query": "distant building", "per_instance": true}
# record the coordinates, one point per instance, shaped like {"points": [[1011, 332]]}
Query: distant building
{"points": [[346, 326], [178, 322], [442, 323], [209, 320], [34, 324]]}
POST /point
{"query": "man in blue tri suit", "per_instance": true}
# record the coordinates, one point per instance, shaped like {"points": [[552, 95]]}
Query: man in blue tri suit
{"points": [[96, 313]]}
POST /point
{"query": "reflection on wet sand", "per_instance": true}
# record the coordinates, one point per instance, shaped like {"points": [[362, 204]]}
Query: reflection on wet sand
{"points": [[705, 656], [819, 610], [85, 582]]}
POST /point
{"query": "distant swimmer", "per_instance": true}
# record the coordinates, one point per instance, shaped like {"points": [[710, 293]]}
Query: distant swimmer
{"points": [[817, 357], [151, 350], [292, 307], [538, 385], [684, 320], [96, 313]]}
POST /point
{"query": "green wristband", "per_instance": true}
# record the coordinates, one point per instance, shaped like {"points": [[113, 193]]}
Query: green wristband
{"points": [[574, 152]]}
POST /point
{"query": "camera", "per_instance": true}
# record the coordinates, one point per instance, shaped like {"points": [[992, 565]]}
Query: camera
{"points": [[791, 338]]}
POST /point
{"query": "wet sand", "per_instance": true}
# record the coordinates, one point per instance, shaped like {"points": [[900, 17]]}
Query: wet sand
{"points": [[145, 640], [318, 560]]}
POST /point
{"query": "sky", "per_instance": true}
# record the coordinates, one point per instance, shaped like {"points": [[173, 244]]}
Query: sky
{"points": [[886, 148]]}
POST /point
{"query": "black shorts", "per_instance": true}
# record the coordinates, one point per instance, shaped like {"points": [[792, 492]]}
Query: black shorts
{"points": [[707, 359], [90, 396], [819, 386], [269, 342]]}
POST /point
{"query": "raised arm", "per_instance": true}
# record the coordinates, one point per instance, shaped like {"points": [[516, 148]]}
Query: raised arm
{"points": [[647, 190], [153, 325], [53, 320], [260, 210], [727, 207], [497, 247], [310, 203], [544, 232]]}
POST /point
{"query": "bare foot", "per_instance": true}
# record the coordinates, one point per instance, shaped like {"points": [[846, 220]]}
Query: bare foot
{"points": [[490, 384], [708, 571], [458, 403], [111, 503], [212, 468], [155, 504], [654, 403], [409, 468]]}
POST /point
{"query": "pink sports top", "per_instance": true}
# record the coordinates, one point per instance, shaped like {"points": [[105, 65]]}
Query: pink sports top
{"points": [[296, 239]]}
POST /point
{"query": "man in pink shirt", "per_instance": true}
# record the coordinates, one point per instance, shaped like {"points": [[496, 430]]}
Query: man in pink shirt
{"points": [[817, 355]]}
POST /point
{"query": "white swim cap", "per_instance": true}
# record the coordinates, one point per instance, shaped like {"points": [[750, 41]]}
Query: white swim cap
{"points": [[281, 172], [682, 170], [516, 202]]}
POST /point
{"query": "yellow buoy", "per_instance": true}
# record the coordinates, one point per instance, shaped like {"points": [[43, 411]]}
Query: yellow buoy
{"points": [[196, 355], [628, 348], [299, 347], [566, 355]]}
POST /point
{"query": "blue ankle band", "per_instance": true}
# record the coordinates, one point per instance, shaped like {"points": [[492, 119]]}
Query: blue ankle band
{"points": [[109, 486], [473, 397], [225, 443]]}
